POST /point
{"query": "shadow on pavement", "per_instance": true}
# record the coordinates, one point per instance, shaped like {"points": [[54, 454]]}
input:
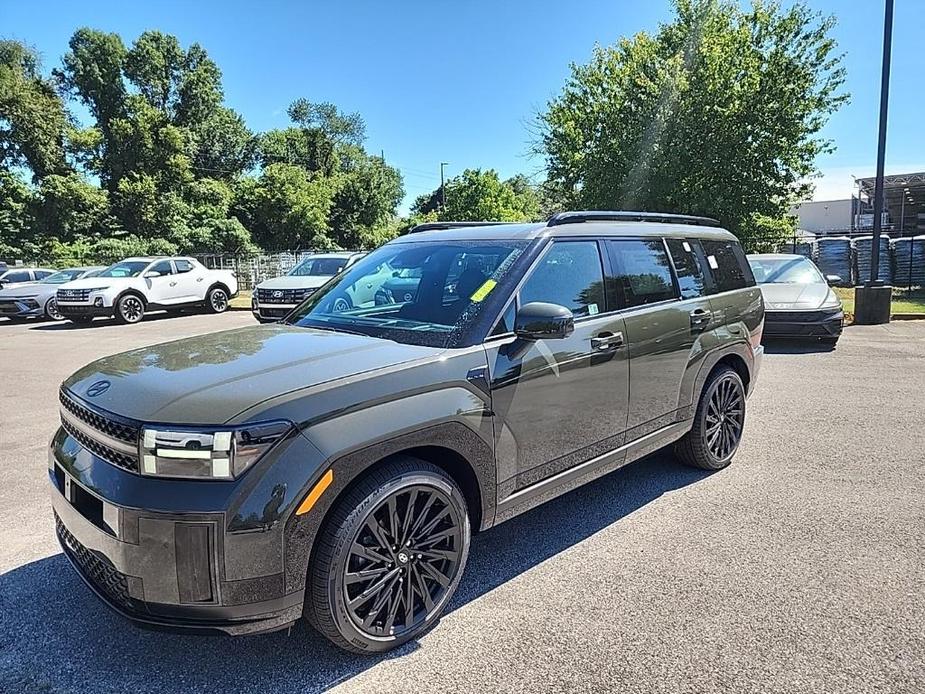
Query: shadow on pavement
{"points": [[103, 322], [54, 635]]}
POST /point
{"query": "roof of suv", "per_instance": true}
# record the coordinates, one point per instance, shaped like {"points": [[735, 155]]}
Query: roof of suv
{"points": [[536, 230]]}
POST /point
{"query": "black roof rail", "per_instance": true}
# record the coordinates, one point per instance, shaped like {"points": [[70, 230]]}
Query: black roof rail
{"points": [[629, 216], [430, 226]]}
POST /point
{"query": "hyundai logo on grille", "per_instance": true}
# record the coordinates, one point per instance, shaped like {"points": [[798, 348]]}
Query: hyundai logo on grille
{"points": [[277, 294], [98, 388]]}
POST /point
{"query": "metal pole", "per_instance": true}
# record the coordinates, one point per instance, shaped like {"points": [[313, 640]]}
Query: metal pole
{"points": [[881, 144], [442, 186]]}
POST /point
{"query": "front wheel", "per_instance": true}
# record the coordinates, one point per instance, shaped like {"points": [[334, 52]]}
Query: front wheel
{"points": [[217, 300], [389, 558], [130, 309], [714, 438]]}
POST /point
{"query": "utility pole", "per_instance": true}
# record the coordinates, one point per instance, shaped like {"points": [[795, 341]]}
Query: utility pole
{"points": [[872, 301], [442, 186]]}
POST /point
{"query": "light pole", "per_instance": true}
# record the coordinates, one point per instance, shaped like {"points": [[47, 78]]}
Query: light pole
{"points": [[873, 299], [442, 186]]}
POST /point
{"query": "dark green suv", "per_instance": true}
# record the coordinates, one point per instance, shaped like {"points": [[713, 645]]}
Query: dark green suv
{"points": [[334, 465]]}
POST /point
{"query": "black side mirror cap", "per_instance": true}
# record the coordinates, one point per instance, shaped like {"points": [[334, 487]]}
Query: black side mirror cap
{"points": [[541, 321]]}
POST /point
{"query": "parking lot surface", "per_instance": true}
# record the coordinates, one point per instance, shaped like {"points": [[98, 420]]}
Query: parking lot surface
{"points": [[800, 568]]}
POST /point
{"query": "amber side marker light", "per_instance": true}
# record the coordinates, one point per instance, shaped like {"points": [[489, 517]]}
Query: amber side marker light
{"points": [[316, 492]]}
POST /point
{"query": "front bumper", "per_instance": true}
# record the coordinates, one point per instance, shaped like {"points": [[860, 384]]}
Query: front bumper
{"points": [[270, 312], [804, 324], [83, 310], [20, 308], [184, 555]]}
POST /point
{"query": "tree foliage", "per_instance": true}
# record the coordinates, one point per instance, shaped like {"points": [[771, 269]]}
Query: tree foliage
{"points": [[717, 113], [477, 195]]}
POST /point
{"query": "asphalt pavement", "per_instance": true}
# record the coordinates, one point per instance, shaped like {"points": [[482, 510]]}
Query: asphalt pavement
{"points": [[800, 568]]}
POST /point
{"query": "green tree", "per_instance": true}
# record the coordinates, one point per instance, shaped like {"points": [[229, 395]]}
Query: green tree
{"points": [[477, 195], [366, 198], [16, 204], [33, 118], [717, 113], [68, 207]]}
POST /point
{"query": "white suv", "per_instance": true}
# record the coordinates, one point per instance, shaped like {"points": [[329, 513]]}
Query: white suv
{"points": [[133, 286], [276, 297]]}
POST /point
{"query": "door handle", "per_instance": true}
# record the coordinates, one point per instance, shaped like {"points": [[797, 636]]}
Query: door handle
{"points": [[700, 317], [200, 279], [607, 341], [173, 284]]}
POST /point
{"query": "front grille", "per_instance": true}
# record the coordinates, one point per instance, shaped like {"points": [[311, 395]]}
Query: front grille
{"points": [[800, 316], [107, 425], [72, 294], [283, 296], [270, 312], [104, 424], [95, 568], [8, 307], [66, 310]]}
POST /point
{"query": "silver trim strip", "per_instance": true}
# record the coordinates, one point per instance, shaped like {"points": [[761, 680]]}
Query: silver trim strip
{"points": [[97, 435]]}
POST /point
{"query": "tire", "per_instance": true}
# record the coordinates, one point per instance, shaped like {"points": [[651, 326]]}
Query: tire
{"points": [[336, 607], [51, 310], [341, 304], [217, 300], [130, 308], [705, 446]]}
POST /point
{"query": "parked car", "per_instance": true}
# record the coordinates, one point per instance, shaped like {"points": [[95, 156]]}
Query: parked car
{"points": [[335, 464], [21, 275], [134, 286], [798, 299], [275, 298], [37, 299]]}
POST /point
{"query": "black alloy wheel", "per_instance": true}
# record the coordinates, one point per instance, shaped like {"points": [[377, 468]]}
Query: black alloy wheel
{"points": [[717, 429], [130, 309], [218, 300], [393, 555]]}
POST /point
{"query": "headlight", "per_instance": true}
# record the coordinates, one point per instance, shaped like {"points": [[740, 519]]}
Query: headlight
{"points": [[831, 301], [216, 453]]}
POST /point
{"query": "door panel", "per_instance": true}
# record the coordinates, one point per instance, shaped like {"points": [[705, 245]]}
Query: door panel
{"points": [[190, 279], [560, 402], [163, 289]]}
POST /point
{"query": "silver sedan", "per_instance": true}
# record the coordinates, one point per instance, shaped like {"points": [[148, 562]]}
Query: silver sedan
{"points": [[37, 299]]}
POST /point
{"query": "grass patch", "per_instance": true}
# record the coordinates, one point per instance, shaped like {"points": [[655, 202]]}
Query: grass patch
{"points": [[904, 300]]}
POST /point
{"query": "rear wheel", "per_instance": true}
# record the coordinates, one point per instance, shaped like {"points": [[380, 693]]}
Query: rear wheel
{"points": [[51, 310], [217, 300], [714, 438], [130, 309], [389, 558]]}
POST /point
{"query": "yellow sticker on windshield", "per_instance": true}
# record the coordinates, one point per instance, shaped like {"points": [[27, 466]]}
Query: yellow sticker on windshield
{"points": [[484, 290]]}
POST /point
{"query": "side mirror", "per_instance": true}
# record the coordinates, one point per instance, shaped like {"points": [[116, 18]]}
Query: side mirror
{"points": [[152, 273], [542, 321], [833, 280]]}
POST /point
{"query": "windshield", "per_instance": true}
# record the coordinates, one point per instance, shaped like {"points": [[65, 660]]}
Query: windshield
{"points": [[318, 267], [127, 268], [422, 293], [785, 271], [62, 277]]}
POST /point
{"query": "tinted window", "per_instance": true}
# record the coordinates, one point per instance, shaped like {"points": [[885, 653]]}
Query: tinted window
{"points": [[641, 272], [318, 267], [42, 274], [17, 276], [785, 271], [183, 266], [687, 265], [163, 267], [728, 265], [570, 275], [127, 268]]}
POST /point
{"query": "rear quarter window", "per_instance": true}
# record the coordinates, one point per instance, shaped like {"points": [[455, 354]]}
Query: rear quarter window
{"points": [[728, 265]]}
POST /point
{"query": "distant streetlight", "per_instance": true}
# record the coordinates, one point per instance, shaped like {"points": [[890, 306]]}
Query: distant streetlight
{"points": [[443, 187], [881, 144]]}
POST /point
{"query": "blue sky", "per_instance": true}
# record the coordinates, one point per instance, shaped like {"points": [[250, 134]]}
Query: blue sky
{"points": [[461, 81]]}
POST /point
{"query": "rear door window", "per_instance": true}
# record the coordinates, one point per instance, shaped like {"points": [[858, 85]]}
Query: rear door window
{"points": [[569, 274], [728, 265], [17, 276], [641, 272], [691, 278]]}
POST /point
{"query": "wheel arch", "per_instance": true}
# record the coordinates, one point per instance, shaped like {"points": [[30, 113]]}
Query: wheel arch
{"points": [[464, 457], [734, 356], [125, 292], [217, 284]]}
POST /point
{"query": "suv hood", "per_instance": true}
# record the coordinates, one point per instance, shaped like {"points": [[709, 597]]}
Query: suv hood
{"points": [[211, 378], [294, 282], [794, 297]]}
